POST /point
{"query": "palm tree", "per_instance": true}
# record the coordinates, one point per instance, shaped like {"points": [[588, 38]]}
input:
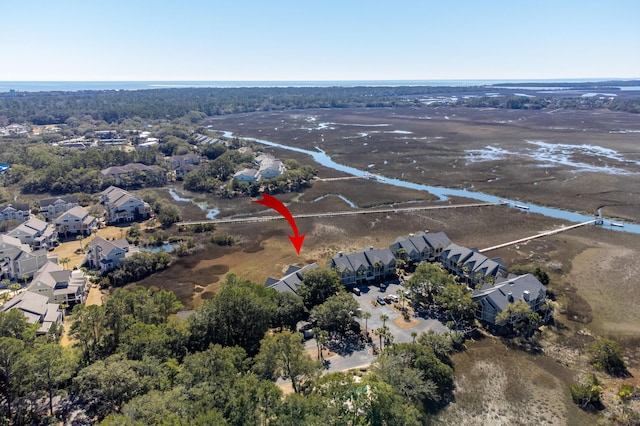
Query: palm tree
{"points": [[384, 319], [402, 297], [414, 334], [65, 261], [24, 278], [80, 238], [366, 315], [15, 287]]}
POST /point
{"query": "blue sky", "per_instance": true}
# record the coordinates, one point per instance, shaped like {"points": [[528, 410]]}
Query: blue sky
{"points": [[286, 40]]}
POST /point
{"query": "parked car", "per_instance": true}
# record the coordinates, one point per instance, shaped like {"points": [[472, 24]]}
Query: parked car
{"points": [[380, 300], [392, 297], [356, 291], [383, 288]]}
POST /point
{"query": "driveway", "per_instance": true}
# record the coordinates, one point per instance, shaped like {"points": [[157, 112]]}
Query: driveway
{"points": [[401, 335]]}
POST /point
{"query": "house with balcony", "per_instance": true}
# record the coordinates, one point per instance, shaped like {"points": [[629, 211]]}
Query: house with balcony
{"points": [[76, 221], [36, 233], [51, 208], [493, 299], [106, 255], [368, 266], [423, 246], [18, 260], [37, 309], [123, 206], [17, 212], [59, 285]]}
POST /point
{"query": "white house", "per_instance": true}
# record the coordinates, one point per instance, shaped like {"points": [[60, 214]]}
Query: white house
{"points": [[122, 206], [107, 255], [51, 208], [246, 175], [36, 233], [37, 309], [76, 221], [17, 259], [59, 285]]}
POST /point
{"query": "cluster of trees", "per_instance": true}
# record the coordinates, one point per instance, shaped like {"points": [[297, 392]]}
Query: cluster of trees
{"points": [[134, 363], [136, 267], [195, 103], [431, 286], [216, 177], [40, 168]]}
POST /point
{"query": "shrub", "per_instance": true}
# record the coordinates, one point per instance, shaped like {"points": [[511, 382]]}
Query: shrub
{"points": [[587, 393], [606, 355]]}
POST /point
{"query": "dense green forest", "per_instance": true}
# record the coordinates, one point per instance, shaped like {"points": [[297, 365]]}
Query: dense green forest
{"points": [[154, 104], [133, 362]]}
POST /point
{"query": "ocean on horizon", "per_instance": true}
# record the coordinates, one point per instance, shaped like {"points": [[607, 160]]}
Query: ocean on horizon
{"points": [[76, 86]]}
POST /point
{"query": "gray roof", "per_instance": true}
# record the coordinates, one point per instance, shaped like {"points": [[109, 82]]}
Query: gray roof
{"points": [[381, 255], [498, 294], [437, 239], [457, 253], [292, 279]]}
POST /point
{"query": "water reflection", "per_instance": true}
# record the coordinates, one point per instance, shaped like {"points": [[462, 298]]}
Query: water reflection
{"points": [[443, 194]]}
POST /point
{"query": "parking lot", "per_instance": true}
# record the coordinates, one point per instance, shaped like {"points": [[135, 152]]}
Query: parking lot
{"points": [[368, 294]]}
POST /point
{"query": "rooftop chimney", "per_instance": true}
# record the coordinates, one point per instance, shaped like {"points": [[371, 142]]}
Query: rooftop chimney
{"points": [[510, 296], [526, 295], [339, 254]]}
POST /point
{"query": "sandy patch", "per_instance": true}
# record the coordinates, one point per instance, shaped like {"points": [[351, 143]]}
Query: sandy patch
{"points": [[400, 322]]}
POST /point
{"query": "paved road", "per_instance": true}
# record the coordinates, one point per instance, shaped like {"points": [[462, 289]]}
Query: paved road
{"points": [[363, 358]]}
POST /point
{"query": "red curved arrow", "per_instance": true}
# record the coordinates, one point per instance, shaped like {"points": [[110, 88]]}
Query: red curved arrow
{"points": [[275, 204]]}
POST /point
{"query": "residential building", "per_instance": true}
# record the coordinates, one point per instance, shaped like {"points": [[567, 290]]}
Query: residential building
{"points": [[51, 208], [36, 233], [37, 309], [107, 255], [76, 221], [471, 265], [366, 266], [424, 246], [493, 299], [122, 206], [60, 286], [17, 212], [246, 175], [125, 174], [18, 260], [291, 280], [270, 169], [178, 161]]}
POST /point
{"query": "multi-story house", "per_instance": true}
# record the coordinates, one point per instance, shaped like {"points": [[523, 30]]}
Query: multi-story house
{"points": [[17, 212], [493, 299], [107, 255], [37, 309], [59, 285], [122, 206], [18, 260], [51, 208], [76, 221], [36, 233], [130, 173], [367, 266]]}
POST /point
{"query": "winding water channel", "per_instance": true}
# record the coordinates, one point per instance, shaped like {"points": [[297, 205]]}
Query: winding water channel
{"points": [[322, 158]]}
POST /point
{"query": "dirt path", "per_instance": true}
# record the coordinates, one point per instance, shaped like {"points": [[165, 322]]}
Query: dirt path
{"points": [[69, 249]]}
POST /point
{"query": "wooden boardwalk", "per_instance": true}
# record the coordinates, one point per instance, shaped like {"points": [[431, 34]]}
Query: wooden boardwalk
{"points": [[256, 219], [543, 234]]}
